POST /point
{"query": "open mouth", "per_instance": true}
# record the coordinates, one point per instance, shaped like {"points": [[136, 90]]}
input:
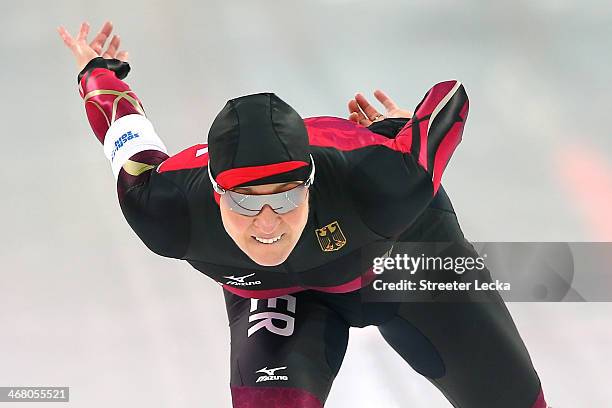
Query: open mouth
{"points": [[268, 241]]}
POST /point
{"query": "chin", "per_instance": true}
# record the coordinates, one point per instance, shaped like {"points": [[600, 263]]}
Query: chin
{"points": [[268, 262], [267, 259]]}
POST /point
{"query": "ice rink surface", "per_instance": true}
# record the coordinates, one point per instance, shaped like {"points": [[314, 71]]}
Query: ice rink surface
{"points": [[84, 303]]}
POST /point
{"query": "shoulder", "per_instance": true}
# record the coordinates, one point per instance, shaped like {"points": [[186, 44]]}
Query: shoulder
{"points": [[341, 134], [191, 158]]}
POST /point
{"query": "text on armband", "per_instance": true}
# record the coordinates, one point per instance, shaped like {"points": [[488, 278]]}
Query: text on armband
{"points": [[122, 140]]}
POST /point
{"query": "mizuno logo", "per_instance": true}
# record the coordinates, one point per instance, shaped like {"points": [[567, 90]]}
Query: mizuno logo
{"points": [[270, 374], [122, 140], [239, 280], [270, 371]]}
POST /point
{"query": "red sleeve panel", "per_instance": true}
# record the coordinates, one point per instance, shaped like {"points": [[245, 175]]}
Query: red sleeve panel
{"points": [[435, 130], [107, 99]]}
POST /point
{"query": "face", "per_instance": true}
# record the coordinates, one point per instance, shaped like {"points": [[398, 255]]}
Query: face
{"points": [[248, 232]]}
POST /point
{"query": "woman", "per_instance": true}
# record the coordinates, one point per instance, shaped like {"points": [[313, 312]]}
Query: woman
{"points": [[288, 213]]}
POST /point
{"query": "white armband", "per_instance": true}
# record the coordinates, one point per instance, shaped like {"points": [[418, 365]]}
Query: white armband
{"points": [[127, 136]]}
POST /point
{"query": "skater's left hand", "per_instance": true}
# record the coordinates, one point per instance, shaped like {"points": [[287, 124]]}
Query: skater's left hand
{"points": [[363, 113], [85, 52]]}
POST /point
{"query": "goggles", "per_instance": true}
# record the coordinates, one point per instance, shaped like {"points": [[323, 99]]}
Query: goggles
{"points": [[252, 204]]}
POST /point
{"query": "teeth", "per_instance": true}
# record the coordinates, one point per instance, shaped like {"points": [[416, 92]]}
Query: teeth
{"points": [[268, 241]]}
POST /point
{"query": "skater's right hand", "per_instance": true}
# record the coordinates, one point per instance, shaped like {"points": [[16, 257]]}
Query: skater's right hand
{"points": [[84, 52]]}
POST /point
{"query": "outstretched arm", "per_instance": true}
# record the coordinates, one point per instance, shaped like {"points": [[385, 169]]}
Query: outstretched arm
{"points": [[152, 204], [115, 113]]}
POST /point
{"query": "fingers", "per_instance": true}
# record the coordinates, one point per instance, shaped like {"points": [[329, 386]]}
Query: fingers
{"points": [[111, 51], [369, 110], [98, 42], [83, 32], [362, 112], [353, 107], [356, 115], [66, 37], [122, 56], [353, 117], [387, 102]]}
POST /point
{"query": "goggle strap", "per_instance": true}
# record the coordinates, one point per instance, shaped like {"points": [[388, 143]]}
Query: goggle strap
{"points": [[216, 187]]}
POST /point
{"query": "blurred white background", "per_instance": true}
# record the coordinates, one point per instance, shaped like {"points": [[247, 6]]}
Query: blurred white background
{"points": [[84, 304]]}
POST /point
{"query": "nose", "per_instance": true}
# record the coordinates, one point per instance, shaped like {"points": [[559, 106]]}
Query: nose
{"points": [[267, 220]]}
